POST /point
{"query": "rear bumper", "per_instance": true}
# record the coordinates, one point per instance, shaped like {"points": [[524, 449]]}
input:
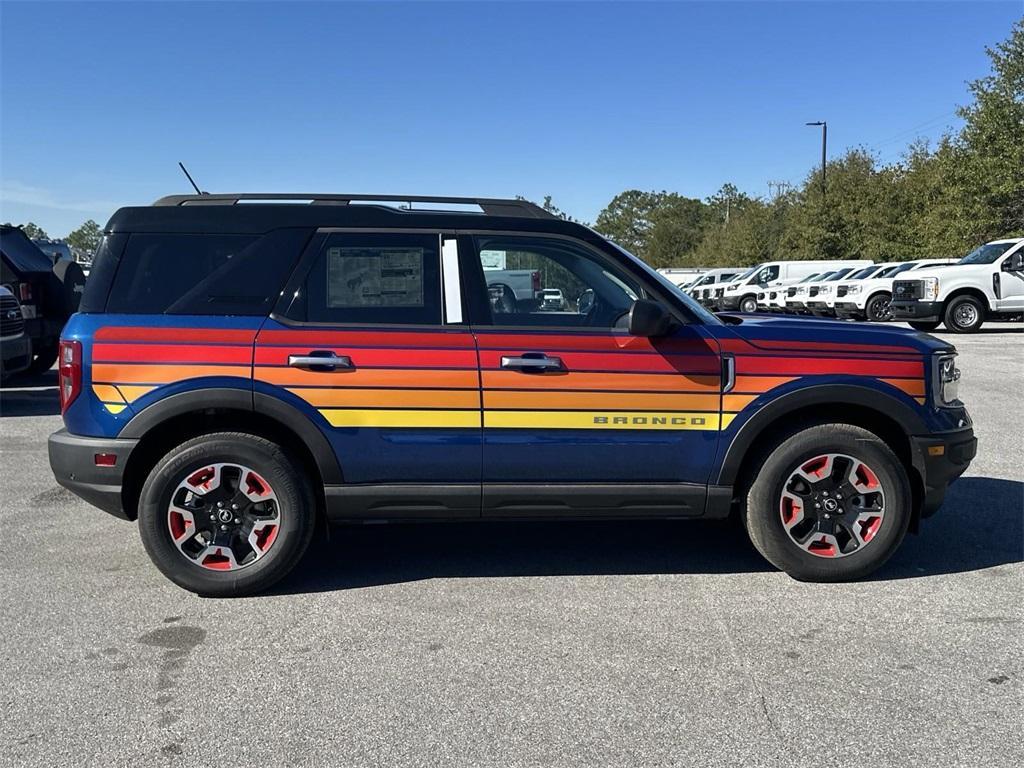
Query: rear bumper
{"points": [[940, 459], [925, 311], [73, 462]]}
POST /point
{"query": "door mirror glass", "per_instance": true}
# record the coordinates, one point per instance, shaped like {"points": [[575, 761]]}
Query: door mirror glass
{"points": [[648, 318]]}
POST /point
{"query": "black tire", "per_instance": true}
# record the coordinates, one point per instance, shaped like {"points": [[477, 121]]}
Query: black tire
{"points": [[920, 325], [964, 314], [748, 304], [44, 356], [764, 521], [297, 513], [877, 308]]}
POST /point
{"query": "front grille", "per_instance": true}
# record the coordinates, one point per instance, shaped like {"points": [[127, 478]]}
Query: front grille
{"points": [[841, 291], [906, 289], [791, 292], [719, 292], [813, 291], [772, 295], [11, 321]]}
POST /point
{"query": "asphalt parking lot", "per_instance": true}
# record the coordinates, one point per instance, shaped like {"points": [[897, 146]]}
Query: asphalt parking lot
{"points": [[648, 643]]}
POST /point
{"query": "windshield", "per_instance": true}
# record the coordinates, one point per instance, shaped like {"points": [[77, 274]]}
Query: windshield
{"points": [[902, 268], [746, 274], [866, 272], [986, 254], [837, 275], [812, 278], [702, 314]]}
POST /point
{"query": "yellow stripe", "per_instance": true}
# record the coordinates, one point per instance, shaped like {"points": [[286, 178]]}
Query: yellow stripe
{"points": [[673, 420], [132, 393], [385, 418], [114, 407]]}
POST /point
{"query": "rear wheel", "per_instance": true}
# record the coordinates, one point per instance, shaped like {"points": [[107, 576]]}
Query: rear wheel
{"points": [[964, 314], [830, 503], [919, 325], [877, 309], [226, 514]]}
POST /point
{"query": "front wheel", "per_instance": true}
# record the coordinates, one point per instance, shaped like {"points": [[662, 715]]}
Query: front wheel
{"points": [[226, 514], [878, 309], [748, 304], [829, 503], [964, 314]]}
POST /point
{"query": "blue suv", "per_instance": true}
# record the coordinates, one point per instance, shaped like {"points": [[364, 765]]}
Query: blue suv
{"points": [[243, 368]]}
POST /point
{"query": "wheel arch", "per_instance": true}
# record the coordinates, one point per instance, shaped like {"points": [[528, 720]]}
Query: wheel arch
{"points": [[967, 290], [180, 417], [877, 412]]}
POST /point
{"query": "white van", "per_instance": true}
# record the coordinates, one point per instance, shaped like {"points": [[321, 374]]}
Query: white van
{"points": [[701, 287], [741, 293]]}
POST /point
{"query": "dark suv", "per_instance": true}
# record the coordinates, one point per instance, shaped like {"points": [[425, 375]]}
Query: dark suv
{"points": [[243, 367]]}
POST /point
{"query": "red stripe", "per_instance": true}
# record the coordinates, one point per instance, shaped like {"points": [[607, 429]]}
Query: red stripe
{"points": [[802, 366], [171, 353], [596, 361], [596, 342], [324, 339], [180, 335], [376, 358]]}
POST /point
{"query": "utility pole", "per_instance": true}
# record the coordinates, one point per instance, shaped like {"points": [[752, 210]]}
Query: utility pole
{"points": [[824, 146]]}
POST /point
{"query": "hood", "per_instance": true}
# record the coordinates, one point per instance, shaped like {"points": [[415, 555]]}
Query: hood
{"points": [[802, 330], [947, 270]]}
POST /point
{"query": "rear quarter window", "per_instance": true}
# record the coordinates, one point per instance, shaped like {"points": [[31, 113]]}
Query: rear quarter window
{"points": [[198, 274]]}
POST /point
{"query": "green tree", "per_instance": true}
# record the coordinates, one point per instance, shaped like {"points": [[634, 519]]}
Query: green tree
{"points": [[86, 238], [34, 231], [659, 227]]}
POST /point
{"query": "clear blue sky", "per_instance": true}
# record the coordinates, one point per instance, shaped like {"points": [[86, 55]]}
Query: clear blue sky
{"points": [[580, 101]]}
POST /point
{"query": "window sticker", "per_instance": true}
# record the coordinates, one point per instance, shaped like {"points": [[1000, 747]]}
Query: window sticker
{"points": [[374, 277]]}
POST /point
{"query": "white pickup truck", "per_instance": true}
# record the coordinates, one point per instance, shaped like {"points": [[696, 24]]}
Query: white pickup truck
{"points": [[869, 299], [986, 284]]}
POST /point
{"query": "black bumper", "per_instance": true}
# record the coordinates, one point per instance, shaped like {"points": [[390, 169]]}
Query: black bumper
{"points": [[850, 311], [940, 459], [821, 309], [728, 303], [924, 311], [73, 461]]}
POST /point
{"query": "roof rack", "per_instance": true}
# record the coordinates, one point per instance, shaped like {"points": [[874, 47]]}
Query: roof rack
{"points": [[489, 206]]}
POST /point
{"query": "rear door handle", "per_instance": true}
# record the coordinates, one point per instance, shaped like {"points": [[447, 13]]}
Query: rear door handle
{"points": [[533, 362], [321, 360]]}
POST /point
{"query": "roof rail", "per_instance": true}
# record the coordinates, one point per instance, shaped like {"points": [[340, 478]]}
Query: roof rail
{"points": [[489, 206]]}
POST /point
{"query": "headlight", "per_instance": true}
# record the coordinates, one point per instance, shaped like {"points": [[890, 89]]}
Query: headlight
{"points": [[800, 291], [826, 289], [946, 380], [854, 289], [732, 287], [929, 288]]}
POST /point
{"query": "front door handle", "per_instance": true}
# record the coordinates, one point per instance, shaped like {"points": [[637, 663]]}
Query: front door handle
{"points": [[533, 362], [321, 360]]}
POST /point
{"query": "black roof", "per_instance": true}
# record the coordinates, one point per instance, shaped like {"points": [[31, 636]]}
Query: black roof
{"points": [[254, 213]]}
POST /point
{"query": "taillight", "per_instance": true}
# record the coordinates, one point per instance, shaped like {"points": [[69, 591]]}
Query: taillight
{"points": [[25, 292], [69, 372], [535, 278]]}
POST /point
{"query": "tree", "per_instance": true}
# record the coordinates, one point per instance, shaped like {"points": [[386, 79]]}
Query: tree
{"points": [[34, 231], [86, 238], [659, 227]]}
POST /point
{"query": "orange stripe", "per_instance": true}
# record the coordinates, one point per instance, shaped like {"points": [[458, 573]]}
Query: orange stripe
{"points": [[606, 381], [107, 393], [161, 374], [910, 386], [369, 377], [733, 403], [760, 384], [619, 401], [389, 398]]}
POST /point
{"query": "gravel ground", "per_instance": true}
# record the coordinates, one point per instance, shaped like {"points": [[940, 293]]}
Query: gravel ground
{"points": [[648, 643]]}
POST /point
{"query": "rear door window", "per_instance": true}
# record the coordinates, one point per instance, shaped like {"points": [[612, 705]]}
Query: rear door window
{"points": [[193, 274]]}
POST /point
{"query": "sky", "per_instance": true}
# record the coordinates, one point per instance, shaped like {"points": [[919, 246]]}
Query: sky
{"points": [[98, 102]]}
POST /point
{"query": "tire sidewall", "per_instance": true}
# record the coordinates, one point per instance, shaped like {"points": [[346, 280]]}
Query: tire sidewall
{"points": [[295, 510], [872, 315], [748, 301], [764, 520]]}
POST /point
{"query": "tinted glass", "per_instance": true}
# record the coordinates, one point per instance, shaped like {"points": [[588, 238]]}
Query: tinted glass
{"points": [[378, 279], [518, 272], [986, 254], [176, 274]]}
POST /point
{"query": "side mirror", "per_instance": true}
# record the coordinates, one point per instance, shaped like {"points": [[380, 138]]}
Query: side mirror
{"points": [[1015, 263], [648, 318]]}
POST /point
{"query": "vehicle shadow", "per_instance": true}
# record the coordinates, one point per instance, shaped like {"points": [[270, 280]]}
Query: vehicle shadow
{"points": [[981, 526], [30, 395]]}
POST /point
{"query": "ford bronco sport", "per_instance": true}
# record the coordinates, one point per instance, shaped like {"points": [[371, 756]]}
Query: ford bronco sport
{"points": [[244, 367]]}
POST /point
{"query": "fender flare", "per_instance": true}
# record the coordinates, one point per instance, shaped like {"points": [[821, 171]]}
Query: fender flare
{"points": [[287, 416], [834, 395]]}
